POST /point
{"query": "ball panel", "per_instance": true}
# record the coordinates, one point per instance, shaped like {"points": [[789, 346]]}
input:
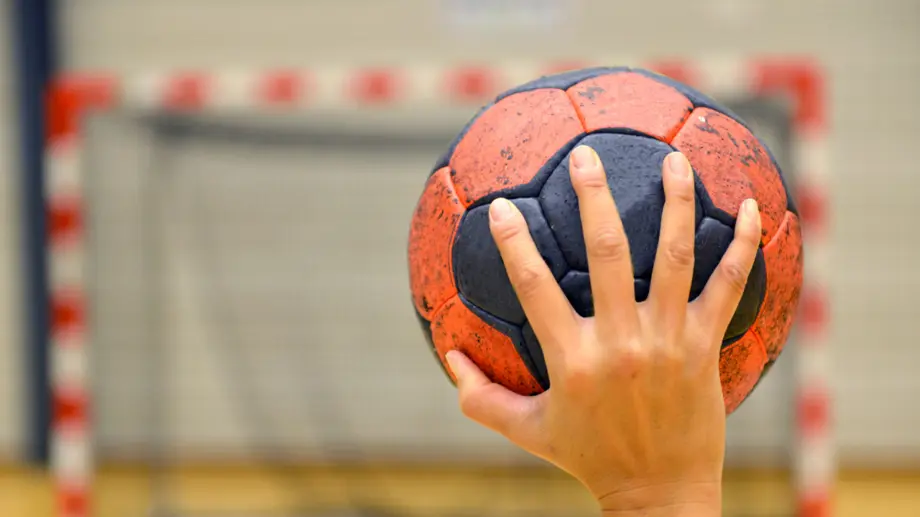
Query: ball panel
{"points": [[431, 237], [633, 167], [532, 188], [511, 141], [444, 159], [563, 81], [480, 273], [751, 301], [630, 100], [699, 99], [741, 365], [712, 239], [456, 327], [577, 288], [708, 207], [642, 287], [733, 166], [512, 330], [535, 351], [783, 260]]}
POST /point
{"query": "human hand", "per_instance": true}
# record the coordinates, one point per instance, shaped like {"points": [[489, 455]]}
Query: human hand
{"points": [[635, 409]]}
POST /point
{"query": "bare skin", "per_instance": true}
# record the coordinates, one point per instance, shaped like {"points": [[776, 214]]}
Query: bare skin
{"points": [[635, 411]]}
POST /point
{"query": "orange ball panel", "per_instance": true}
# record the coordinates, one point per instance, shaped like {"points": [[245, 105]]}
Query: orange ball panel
{"points": [[431, 239], [630, 100], [456, 327], [740, 367], [733, 166], [509, 143], [784, 261]]}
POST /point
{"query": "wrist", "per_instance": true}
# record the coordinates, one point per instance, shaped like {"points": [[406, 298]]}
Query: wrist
{"points": [[664, 500]]}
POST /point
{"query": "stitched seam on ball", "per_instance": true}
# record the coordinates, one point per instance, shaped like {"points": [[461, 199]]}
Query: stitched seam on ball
{"points": [[683, 123], [782, 228], [763, 346], [439, 308], [452, 241], [578, 113], [552, 230], [449, 178], [552, 233], [697, 181], [762, 144]]}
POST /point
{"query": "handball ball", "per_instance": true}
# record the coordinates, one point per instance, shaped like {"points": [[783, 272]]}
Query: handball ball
{"points": [[518, 146]]}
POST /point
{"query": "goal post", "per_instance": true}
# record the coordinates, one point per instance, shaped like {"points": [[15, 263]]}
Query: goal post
{"points": [[364, 92]]}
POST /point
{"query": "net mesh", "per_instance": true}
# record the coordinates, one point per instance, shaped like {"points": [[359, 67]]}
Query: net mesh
{"points": [[250, 307]]}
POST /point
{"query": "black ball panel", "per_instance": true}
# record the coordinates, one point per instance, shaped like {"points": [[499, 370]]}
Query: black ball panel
{"points": [[633, 165], [577, 288], [751, 300], [712, 239], [535, 352], [478, 268]]}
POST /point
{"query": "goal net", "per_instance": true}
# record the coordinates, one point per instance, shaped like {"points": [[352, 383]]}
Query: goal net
{"points": [[250, 338]]}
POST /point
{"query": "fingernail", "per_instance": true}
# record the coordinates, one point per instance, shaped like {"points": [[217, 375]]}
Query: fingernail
{"points": [[500, 209], [679, 166], [750, 207], [752, 212], [583, 157]]}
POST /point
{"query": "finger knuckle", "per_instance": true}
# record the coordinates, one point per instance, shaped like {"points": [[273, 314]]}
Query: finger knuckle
{"points": [[632, 359], [735, 275], [679, 253], [610, 245], [669, 353], [682, 195], [509, 230], [468, 403], [580, 374], [594, 182]]}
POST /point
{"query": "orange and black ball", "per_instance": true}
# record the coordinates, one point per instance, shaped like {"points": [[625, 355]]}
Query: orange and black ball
{"points": [[517, 147]]}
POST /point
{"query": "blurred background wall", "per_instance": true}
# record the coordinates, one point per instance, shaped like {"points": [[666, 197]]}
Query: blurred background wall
{"points": [[871, 53], [870, 50]]}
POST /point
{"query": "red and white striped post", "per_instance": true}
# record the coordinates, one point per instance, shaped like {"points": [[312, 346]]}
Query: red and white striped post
{"points": [[815, 462], [416, 87], [71, 444]]}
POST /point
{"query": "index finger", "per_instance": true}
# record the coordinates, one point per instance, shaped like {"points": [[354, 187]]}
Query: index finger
{"points": [[548, 310]]}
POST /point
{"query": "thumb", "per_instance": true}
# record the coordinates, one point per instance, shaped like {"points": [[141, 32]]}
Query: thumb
{"points": [[490, 404]]}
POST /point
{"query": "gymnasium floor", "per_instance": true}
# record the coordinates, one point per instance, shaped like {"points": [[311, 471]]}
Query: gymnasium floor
{"points": [[415, 492]]}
